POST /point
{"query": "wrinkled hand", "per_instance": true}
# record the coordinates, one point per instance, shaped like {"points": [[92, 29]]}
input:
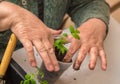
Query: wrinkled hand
{"points": [[31, 32], [92, 35]]}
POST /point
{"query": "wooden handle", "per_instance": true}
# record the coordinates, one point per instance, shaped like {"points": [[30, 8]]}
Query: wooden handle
{"points": [[7, 55]]}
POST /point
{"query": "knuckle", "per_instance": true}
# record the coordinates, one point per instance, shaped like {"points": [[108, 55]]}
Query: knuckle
{"points": [[71, 51], [94, 51], [41, 49], [79, 61], [83, 50], [29, 49]]}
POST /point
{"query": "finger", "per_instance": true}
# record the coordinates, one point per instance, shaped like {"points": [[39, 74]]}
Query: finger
{"points": [[51, 54], [30, 52], [51, 41], [103, 59], [71, 51], [81, 56], [55, 32], [93, 57], [44, 55]]}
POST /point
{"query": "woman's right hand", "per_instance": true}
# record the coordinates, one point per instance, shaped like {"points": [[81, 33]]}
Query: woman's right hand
{"points": [[31, 32]]}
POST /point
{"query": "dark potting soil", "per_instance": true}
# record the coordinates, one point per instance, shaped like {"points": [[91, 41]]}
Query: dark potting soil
{"points": [[59, 55]]}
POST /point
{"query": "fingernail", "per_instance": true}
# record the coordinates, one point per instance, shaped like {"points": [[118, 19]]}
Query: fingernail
{"points": [[50, 68], [33, 64], [91, 66], [104, 68], [57, 68], [76, 66]]}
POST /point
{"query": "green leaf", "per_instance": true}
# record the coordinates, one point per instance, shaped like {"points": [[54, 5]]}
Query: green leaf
{"points": [[62, 41], [65, 34], [26, 82], [72, 29], [77, 31], [57, 42], [74, 32], [32, 81], [30, 78], [62, 50], [27, 76], [44, 82], [76, 36], [40, 72]]}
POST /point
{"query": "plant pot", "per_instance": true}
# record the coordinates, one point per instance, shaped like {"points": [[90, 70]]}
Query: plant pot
{"points": [[51, 77]]}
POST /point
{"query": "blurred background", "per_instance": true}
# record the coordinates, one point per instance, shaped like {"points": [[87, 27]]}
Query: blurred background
{"points": [[115, 8]]}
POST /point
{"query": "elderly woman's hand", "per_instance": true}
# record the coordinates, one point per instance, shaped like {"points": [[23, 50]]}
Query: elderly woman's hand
{"points": [[92, 35], [31, 32]]}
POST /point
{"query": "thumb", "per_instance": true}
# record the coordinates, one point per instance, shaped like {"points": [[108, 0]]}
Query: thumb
{"points": [[55, 32]]}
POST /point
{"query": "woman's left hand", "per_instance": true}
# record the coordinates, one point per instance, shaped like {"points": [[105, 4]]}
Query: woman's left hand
{"points": [[92, 35]]}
